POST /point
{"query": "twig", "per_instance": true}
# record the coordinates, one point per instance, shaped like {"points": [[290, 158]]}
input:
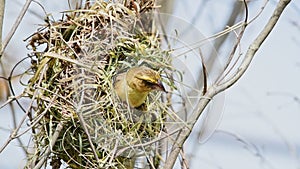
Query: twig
{"points": [[204, 71], [2, 7], [185, 132], [233, 51], [184, 160], [84, 126], [249, 146], [53, 139], [15, 26], [255, 45], [16, 130], [11, 106], [38, 118], [213, 90], [119, 152]]}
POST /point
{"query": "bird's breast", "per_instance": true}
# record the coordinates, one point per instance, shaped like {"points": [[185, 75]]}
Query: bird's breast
{"points": [[136, 98]]}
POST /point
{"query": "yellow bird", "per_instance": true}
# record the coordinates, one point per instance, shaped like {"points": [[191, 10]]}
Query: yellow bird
{"points": [[133, 86]]}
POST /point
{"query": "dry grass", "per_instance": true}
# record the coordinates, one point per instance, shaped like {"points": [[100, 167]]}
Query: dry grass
{"points": [[74, 61]]}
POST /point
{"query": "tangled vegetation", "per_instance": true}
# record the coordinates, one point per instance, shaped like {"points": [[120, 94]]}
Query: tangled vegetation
{"points": [[74, 62]]}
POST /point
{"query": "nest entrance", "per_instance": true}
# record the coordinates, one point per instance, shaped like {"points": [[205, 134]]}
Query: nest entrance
{"points": [[73, 76]]}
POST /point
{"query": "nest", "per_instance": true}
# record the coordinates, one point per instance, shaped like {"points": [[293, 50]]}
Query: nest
{"points": [[74, 61]]}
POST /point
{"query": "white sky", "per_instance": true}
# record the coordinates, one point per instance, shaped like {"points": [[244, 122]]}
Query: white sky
{"points": [[259, 108]]}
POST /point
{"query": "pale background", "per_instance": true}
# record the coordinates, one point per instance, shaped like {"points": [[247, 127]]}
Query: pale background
{"points": [[262, 108]]}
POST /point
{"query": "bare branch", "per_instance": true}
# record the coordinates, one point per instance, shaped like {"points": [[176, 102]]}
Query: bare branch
{"points": [[2, 7], [13, 135], [213, 90], [53, 139], [15, 26], [255, 45]]}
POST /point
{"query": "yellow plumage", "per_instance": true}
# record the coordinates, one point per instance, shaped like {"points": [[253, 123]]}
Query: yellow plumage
{"points": [[133, 86]]}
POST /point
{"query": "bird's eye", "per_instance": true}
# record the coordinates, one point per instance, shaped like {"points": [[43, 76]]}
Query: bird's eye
{"points": [[148, 83]]}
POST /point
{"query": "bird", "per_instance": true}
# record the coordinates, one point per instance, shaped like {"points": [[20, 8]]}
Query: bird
{"points": [[134, 86]]}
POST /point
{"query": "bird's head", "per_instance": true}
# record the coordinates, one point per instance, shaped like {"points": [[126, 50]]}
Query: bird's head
{"points": [[144, 79]]}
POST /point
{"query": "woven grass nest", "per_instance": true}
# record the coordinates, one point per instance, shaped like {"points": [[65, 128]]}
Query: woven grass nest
{"points": [[74, 61]]}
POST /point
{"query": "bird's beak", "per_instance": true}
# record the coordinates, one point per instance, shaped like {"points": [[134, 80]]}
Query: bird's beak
{"points": [[160, 86]]}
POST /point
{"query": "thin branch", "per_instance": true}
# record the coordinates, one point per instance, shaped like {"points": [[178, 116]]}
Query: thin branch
{"points": [[186, 131], [10, 99], [53, 139], [249, 146], [204, 71], [16, 130], [235, 12], [15, 26], [166, 135], [2, 7], [233, 51], [213, 90], [7, 92], [255, 45], [83, 124], [40, 116], [184, 160]]}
